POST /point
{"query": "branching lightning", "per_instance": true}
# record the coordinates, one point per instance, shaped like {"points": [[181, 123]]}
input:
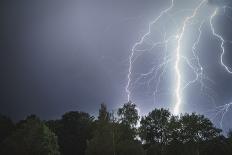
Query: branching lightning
{"points": [[221, 39], [178, 57], [175, 57], [219, 113], [139, 43]]}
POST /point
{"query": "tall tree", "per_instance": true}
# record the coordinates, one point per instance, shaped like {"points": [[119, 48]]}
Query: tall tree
{"points": [[197, 128], [128, 114], [104, 115], [103, 141], [154, 127], [194, 131], [113, 137], [73, 130]]}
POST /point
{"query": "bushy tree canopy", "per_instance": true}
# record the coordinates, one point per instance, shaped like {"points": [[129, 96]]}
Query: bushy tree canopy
{"points": [[31, 137], [128, 114], [158, 133], [73, 130]]}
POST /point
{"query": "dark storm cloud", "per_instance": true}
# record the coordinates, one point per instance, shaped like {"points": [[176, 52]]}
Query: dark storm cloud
{"points": [[72, 55], [66, 55]]}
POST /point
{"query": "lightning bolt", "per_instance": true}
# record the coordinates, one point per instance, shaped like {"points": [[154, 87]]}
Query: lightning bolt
{"points": [[219, 112], [221, 39], [131, 57], [177, 56]]}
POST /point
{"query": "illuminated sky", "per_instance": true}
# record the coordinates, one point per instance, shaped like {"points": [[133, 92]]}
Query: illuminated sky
{"points": [[58, 56]]}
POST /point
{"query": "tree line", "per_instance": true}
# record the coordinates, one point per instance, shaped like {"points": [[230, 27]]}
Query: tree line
{"points": [[114, 133]]}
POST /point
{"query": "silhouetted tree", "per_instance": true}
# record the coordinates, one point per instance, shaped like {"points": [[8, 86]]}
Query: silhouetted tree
{"points": [[78, 133], [73, 130], [113, 137], [6, 127], [102, 142], [128, 114], [166, 134], [197, 128], [128, 118], [194, 130], [104, 115], [154, 127], [31, 137]]}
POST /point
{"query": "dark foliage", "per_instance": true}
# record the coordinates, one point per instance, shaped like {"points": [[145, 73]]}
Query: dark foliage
{"points": [[73, 131], [6, 127], [78, 133], [30, 137]]}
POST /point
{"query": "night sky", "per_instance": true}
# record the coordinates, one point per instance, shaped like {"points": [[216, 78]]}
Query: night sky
{"points": [[57, 56]]}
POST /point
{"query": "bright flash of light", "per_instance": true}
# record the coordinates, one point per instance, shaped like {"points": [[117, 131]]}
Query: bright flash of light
{"points": [[228, 69], [178, 58], [175, 55]]}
